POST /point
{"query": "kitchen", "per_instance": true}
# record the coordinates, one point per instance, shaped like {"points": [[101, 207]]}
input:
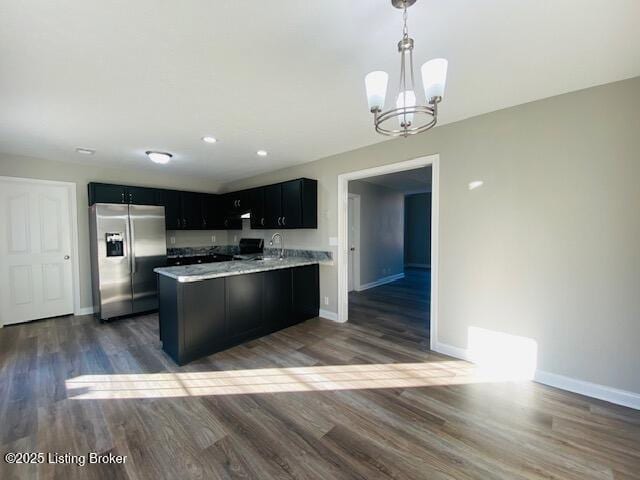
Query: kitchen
{"points": [[209, 298], [319, 240]]}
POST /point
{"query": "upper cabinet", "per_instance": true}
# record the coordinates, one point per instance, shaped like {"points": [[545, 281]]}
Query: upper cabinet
{"points": [[292, 204], [171, 199], [109, 193], [144, 196], [237, 202], [256, 204]]}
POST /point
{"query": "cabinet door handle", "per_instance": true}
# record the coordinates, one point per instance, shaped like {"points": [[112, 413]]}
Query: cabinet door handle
{"points": [[262, 221], [238, 203], [283, 221], [122, 197], [131, 198]]}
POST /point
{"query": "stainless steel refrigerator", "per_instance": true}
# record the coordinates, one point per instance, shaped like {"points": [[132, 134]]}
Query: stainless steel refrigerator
{"points": [[127, 243]]}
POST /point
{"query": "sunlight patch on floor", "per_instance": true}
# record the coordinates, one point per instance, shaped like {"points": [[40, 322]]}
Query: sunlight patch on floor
{"points": [[274, 380]]}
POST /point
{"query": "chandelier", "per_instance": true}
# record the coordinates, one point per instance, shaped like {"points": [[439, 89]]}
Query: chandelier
{"points": [[412, 118]]}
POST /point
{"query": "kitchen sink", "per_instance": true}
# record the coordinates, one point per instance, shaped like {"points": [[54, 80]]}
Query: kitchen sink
{"points": [[268, 259]]}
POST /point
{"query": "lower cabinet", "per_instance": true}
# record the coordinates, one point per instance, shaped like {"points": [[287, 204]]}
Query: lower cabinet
{"points": [[244, 305], [277, 299], [203, 317], [305, 293]]}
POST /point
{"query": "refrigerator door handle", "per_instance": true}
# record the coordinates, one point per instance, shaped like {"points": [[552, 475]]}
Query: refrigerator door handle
{"points": [[132, 243]]}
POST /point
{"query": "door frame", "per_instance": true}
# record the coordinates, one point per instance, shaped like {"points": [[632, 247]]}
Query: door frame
{"points": [[73, 220], [343, 229], [356, 254]]}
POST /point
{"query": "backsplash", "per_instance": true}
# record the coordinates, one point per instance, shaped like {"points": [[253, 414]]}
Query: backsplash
{"points": [[197, 251], [197, 238], [319, 255]]}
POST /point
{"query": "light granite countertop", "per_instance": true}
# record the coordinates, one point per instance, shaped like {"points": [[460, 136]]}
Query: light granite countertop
{"points": [[206, 271]]}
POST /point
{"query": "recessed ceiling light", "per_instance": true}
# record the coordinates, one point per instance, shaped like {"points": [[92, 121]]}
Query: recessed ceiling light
{"points": [[85, 151], [262, 153], [159, 157], [209, 139]]}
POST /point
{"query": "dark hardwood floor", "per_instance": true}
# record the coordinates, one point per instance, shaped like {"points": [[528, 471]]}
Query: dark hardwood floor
{"points": [[320, 400]]}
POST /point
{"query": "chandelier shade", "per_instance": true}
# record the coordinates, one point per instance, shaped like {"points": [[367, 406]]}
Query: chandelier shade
{"points": [[434, 77], [376, 85], [406, 100], [412, 117]]}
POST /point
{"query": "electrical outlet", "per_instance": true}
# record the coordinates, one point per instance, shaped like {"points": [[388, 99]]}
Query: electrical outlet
{"points": [[326, 300], [213, 239], [172, 240], [235, 239]]}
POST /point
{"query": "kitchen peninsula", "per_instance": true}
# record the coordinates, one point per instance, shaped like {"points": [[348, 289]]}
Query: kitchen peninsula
{"points": [[206, 308]]}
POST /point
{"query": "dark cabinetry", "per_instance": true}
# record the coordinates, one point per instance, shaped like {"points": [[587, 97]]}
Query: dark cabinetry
{"points": [[305, 296], [256, 204], [273, 206], [244, 305], [277, 299], [172, 209], [203, 317], [291, 204], [236, 202], [144, 196], [109, 193], [191, 205], [182, 210]]}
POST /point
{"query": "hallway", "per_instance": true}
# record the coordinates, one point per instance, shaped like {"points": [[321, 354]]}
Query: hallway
{"points": [[400, 308]]}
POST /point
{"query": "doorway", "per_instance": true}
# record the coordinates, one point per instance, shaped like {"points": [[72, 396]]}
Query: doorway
{"points": [[344, 241], [38, 250]]}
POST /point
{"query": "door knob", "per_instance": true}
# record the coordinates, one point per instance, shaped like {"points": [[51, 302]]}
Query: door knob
{"points": [[352, 249], [66, 257]]}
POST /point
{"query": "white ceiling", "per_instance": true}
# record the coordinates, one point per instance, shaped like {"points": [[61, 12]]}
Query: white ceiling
{"points": [[417, 180], [287, 76]]}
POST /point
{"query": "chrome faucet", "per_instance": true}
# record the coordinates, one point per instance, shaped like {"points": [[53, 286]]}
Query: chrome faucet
{"points": [[281, 243]]}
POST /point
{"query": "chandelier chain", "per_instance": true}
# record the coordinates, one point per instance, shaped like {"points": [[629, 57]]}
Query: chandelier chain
{"points": [[405, 29]]}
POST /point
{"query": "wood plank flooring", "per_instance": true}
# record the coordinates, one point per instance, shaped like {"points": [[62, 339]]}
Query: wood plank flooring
{"points": [[451, 428]]}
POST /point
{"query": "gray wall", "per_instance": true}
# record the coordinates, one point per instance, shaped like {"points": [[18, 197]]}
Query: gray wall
{"points": [[548, 248], [381, 231], [17, 166], [417, 230]]}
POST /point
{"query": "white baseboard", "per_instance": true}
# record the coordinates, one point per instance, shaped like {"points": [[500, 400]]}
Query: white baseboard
{"points": [[452, 351], [589, 389], [417, 265], [594, 390], [380, 281], [85, 311], [328, 314]]}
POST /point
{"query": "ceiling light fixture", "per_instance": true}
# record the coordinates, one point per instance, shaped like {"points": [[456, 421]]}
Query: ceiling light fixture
{"points": [[261, 153], [434, 76], [209, 139], [85, 151], [159, 157]]}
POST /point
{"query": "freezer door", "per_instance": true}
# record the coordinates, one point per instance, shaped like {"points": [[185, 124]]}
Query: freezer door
{"points": [[148, 251], [112, 257]]}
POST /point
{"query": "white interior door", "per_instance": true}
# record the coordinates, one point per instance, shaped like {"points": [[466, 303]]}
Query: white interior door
{"points": [[352, 236], [35, 251]]}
